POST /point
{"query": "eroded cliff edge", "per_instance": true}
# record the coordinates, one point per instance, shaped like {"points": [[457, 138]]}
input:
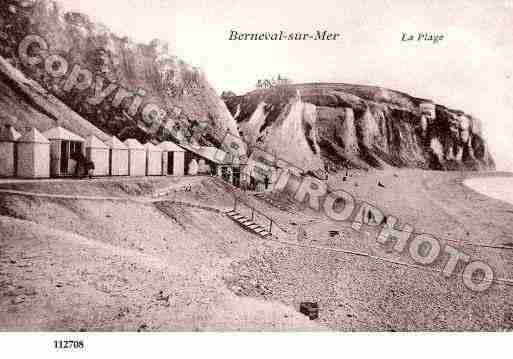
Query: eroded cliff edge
{"points": [[147, 72], [331, 126]]}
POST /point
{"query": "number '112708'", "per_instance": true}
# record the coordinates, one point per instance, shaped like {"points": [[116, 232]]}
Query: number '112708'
{"points": [[68, 344]]}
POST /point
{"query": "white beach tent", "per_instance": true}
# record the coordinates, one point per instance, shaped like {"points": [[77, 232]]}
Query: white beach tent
{"points": [[153, 160], [173, 159], [136, 158], [65, 146], [98, 153], [118, 157], [8, 138], [33, 155]]}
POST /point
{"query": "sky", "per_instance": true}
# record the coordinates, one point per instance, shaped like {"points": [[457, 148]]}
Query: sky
{"points": [[470, 69]]}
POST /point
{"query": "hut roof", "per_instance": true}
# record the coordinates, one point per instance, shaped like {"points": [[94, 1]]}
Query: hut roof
{"points": [[33, 136], [170, 147], [9, 134], [115, 144], [213, 154], [60, 133], [94, 142], [133, 144], [152, 148]]}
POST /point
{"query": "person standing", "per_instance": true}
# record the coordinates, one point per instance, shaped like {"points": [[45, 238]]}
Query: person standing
{"points": [[266, 182]]}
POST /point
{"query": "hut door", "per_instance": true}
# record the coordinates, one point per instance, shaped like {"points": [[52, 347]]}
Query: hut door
{"points": [[110, 161], [64, 157], [236, 177], [76, 155], [170, 163], [225, 175]]}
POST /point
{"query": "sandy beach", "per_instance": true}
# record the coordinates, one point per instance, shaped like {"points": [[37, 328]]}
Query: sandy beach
{"points": [[127, 265], [500, 188]]}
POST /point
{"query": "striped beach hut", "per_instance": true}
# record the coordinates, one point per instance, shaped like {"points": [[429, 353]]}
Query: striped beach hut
{"points": [[153, 160], [173, 159], [66, 148], [8, 138], [118, 157], [33, 155], [136, 158], [98, 153]]}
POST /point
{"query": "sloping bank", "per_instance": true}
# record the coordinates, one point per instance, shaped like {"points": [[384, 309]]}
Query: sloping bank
{"points": [[114, 265]]}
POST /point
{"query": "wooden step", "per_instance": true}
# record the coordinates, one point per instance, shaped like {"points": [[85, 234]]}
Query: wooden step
{"points": [[247, 223]]}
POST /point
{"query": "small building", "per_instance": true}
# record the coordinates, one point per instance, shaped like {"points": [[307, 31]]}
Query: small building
{"points": [[428, 109], [118, 157], [8, 138], [136, 158], [33, 155], [153, 160], [193, 168], [213, 161], [173, 159], [65, 150], [98, 153]]}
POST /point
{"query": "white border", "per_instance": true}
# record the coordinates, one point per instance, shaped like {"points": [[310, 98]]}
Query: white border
{"points": [[259, 345]]}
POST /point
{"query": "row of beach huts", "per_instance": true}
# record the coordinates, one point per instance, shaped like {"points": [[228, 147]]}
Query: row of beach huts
{"points": [[53, 153]]}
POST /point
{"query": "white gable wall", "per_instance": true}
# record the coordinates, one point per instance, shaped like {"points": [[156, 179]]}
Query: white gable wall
{"points": [[137, 162], [7, 160], [100, 158], [179, 163], [119, 162], [33, 160], [154, 163]]}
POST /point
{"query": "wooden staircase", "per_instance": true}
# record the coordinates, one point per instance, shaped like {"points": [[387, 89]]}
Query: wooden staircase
{"points": [[248, 224]]}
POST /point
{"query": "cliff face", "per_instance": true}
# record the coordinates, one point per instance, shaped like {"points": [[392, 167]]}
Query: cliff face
{"points": [[331, 126], [24, 104], [124, 88]]}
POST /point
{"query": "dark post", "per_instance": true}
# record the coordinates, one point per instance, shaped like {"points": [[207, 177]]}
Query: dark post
{"points": [[270, 226], [252, 214]]}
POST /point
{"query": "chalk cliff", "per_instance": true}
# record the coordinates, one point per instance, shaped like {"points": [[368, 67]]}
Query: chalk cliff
{"points": [[330, 126], [125, 77]]}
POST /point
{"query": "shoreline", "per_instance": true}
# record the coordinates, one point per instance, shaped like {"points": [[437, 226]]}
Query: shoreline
{"points": [[492, 187]]}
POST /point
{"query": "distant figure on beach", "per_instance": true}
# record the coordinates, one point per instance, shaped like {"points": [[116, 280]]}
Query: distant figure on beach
{"points": [[344, 178], [266, 182], [89, 168], [84, 167], [301, 233]]}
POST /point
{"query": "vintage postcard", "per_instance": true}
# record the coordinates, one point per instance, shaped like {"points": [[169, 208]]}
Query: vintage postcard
{"points": [[255, 166]]}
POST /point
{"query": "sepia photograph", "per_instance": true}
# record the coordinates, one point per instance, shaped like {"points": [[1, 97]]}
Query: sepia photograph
{"points": [[259, 167]]}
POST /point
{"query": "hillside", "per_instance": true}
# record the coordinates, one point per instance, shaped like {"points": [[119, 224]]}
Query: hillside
{"points": [[116, 78], [96, 265], [332, 126], [25, 104]]}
